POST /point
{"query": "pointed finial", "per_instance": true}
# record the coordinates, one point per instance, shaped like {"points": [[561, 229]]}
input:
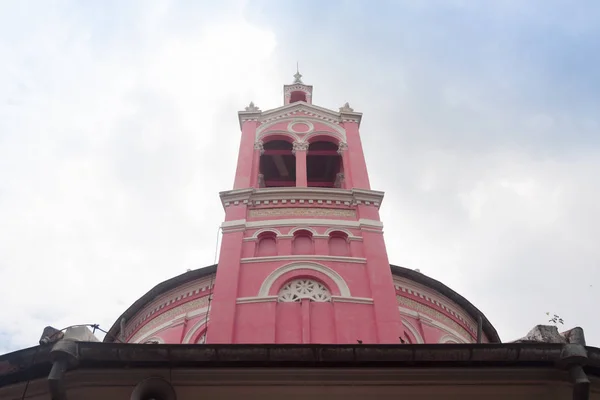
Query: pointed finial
{"points": [[297, 75], [346, 108], [252, 107]]}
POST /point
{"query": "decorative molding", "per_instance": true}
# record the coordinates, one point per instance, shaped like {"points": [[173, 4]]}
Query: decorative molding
{"points": [[301, 211], [332, 135], [343, 146], [334, 229], [413, 330], [242, 224], [311, 257], [429, 321], [335, 137], [334, 276], [153, 340], [296, 121], [257, 299], [299, 146], [463, 333], [422, 309], [339, 179], [302, 228], [192, 331], [335, 299], [285, 196], [300, 289], [263, 230], [436, 299], [258, 145], [168, 318], [449, 338], [290, 235], [298, 114], [179, 295], [356, 300], [304, 109]]}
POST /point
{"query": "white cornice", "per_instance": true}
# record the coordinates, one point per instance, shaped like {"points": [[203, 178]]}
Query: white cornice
{"points": [[311, 110], [299, 195], [248, 116], [257, 299], [441, 301], [353, 260], [242, 224], [427, 320], [335, 299]]}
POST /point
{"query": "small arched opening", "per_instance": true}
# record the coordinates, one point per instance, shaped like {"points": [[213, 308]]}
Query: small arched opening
{"points": [[297, 95], [277, 165], [338, 244], [266, 245], [303, 243], [323, 165]]}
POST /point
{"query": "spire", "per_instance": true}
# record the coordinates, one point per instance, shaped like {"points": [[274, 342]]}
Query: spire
{"points": [[297, 75]]}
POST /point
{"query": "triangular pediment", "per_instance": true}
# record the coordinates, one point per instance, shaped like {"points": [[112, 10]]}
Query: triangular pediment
{"points": [[299, 108]]}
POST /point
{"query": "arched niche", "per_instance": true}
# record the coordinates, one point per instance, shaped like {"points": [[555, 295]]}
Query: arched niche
{"points": [[339, 244], [266, 244], [303, 242]]}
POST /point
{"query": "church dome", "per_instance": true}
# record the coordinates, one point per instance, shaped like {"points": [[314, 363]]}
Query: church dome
{"points": [[178, 310]]}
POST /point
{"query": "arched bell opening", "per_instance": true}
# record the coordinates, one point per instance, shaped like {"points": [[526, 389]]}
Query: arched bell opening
{"points": [[277, 165], [323, 165]]}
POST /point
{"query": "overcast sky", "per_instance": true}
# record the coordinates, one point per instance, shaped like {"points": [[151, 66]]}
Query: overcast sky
{"points": [[118, 128]]}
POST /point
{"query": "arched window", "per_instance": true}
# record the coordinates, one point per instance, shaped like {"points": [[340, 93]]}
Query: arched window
{"points": [[299, 289], [338, 244], [277, 164], [323, 164], [297, 96], [303, 243], [266, 245]]}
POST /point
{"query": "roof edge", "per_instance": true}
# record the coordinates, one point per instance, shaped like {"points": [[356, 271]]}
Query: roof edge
{"points": [[35, 362]]}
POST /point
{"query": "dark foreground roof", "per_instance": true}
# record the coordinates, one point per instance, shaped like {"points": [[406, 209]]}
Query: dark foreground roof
{"points": [[407, 273], [35, 362]]}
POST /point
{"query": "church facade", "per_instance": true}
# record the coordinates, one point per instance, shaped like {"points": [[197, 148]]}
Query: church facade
{"points": [[303, 258]]}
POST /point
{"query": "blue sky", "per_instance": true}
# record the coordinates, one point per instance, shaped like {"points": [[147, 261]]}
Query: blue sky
{"points": [[480, 124]]}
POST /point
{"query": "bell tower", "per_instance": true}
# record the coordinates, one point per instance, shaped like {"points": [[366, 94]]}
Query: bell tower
{"points": [[303, 259]]}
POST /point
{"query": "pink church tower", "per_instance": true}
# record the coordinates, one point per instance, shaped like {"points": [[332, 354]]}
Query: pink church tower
{"points": [[303, 258]]}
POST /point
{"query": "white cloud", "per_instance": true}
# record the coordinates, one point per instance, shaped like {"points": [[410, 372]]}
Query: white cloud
{"points": [[111, 160]]}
